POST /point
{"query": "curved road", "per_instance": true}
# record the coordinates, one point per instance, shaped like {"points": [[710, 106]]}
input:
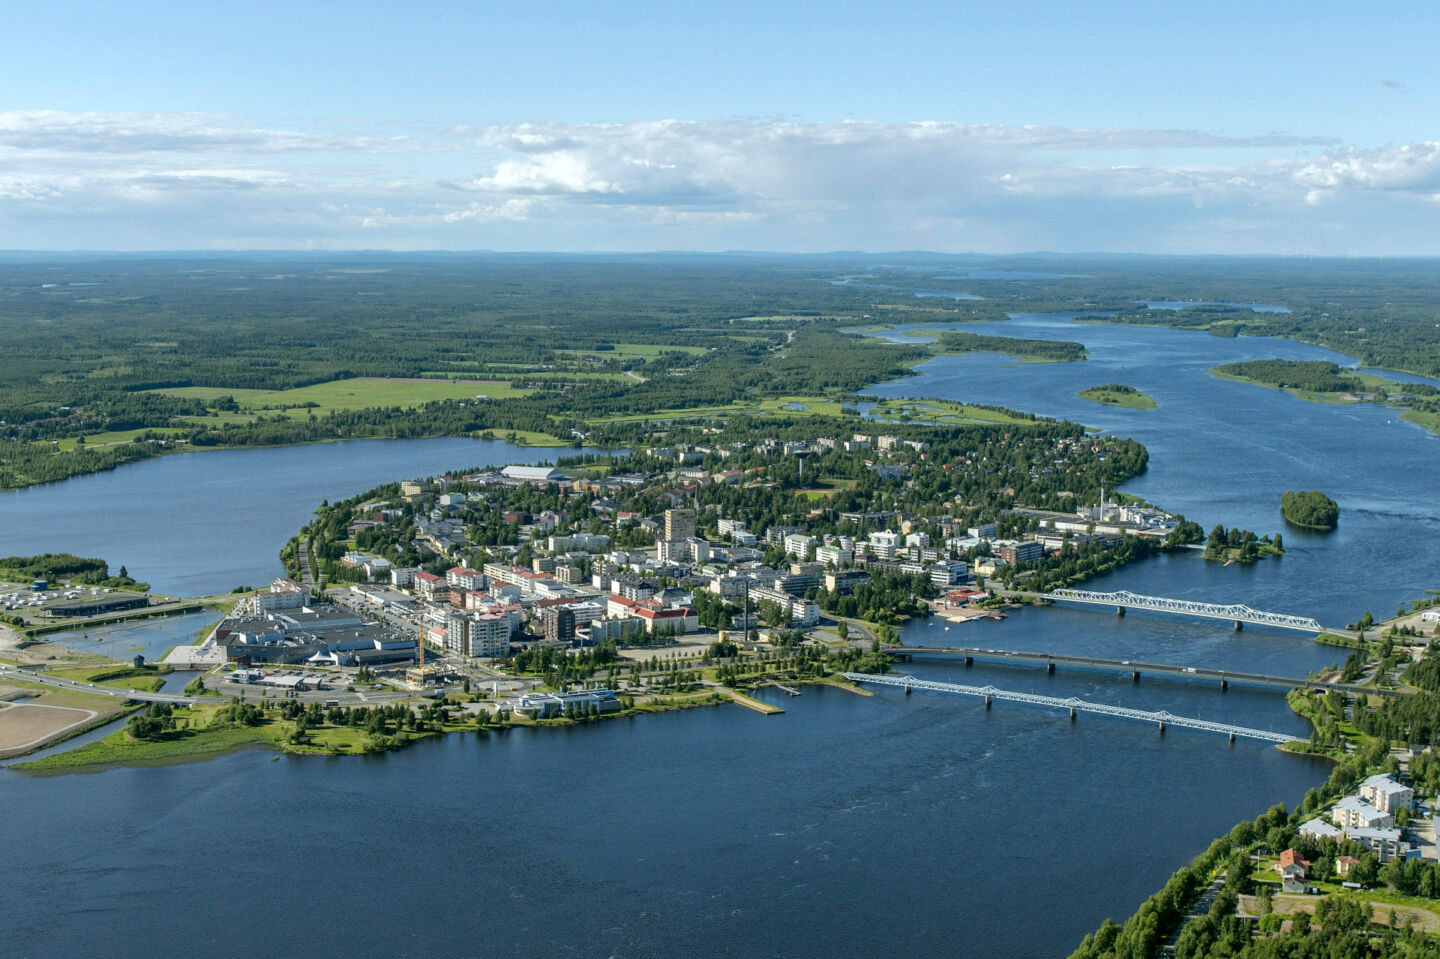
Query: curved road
{"points": [[44, 679]]}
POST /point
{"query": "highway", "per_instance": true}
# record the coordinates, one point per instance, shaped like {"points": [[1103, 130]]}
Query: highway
{"points": [[137, 695], [1133, 667]]}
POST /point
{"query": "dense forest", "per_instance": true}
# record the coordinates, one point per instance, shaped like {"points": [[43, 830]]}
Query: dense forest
{"points": [[96, 348], [1314, 376], [1311, 509], [1052, 351]]}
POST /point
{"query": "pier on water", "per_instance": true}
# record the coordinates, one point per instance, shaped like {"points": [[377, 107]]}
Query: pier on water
{"points": [[1160, 719]]}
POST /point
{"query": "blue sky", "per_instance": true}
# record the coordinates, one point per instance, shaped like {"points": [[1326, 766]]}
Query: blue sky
{"points": [[1227, 127]]}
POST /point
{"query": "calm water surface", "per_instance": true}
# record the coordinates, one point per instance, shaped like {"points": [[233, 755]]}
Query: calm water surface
{"points": [[848, 826], [1224, 452], [922, 825], [194, 524]]}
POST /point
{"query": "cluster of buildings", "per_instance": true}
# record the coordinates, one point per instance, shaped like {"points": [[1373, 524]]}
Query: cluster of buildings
{"points": [[578, 587], [1366, 817], [284, 626]]}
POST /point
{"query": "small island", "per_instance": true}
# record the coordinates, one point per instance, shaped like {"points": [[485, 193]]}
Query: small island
{"points": [[1310, 380], [1241, 546], [1024, 350], [1310, 509], [1115, 394]]}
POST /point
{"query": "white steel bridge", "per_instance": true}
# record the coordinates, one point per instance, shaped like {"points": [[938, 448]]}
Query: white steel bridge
{"points": [[1235, 612], [1161, 718]]}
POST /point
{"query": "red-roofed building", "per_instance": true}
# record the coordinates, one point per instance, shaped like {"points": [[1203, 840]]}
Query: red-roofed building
{"points": [[460, 578], [428, 585], [1291, 866]]}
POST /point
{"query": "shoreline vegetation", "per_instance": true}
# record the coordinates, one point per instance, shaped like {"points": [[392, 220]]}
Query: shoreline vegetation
{"points": [[1360, 735], [1309, 509], [1241, 546], [208, 730], [1332, 385], [1115, 394], [620, 343]]}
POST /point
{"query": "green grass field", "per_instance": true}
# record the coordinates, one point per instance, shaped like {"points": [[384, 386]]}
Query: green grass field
{"points": [[774, 406], [1431, 421], [1130, 401], [354, 394], [114, 438], [941, 411], [644, 350]]}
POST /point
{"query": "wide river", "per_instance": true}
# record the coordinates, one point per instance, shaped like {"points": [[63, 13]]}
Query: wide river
{"points": [[922, 825], [194, 524]]}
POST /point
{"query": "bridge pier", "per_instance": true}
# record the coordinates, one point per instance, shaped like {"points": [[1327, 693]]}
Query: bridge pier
{"points": [[1119, 610], [1239, 625], [1232, 739], [1134, 675], [1162, 727], [1224, 684], [1049, 667], [969, 660], [907, 689], [987, 702], [1072, 714]]}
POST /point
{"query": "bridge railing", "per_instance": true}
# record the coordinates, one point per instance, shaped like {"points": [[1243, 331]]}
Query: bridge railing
{"points": [[1162, 718], [1232, 611]]}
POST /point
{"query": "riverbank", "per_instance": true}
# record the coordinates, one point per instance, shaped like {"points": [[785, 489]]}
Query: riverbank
{"points": [[207, 730], [520, 438], [1369, 388]]}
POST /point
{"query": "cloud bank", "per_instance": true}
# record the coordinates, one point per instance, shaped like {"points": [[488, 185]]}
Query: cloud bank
{"points": [[213, 181]]}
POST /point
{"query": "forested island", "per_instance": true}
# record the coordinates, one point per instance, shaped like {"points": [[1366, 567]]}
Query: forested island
{"points": [[1026, 350], [1237, 545], [1311, 509], [1116, 394], [1308, 376]]}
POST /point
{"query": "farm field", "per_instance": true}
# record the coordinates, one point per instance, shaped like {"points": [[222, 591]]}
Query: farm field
{"points": [[353, 394]]}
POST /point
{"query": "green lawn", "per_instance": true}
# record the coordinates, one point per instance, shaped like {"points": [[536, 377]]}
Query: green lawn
{"points": [[1129, 400], [119, 747], [526, 438], [941, 411], [354, 394], [774, 406], [113, 437], [1431, 421]]}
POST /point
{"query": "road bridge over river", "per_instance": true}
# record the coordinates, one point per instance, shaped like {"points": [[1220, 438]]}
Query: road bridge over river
{"points": [[1161, 719], [1124, 599], [136, 695], [1135, 668]]}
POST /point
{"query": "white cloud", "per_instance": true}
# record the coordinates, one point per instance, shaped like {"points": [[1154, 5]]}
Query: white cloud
{"points": [[1414, 166], [219, 180]]}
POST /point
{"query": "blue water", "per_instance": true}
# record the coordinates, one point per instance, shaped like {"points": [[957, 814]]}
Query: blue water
{"points": [[151, 638], [1398, 376], [1224, 452], [846, 827], [1006, 275], [943, 294], [922, 825], [194, 524], [1182, 304]]}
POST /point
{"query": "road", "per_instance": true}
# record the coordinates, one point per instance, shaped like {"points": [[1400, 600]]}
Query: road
{"points": [[44, 679], [1126, 665], [307, 578], [1201, 908]]}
